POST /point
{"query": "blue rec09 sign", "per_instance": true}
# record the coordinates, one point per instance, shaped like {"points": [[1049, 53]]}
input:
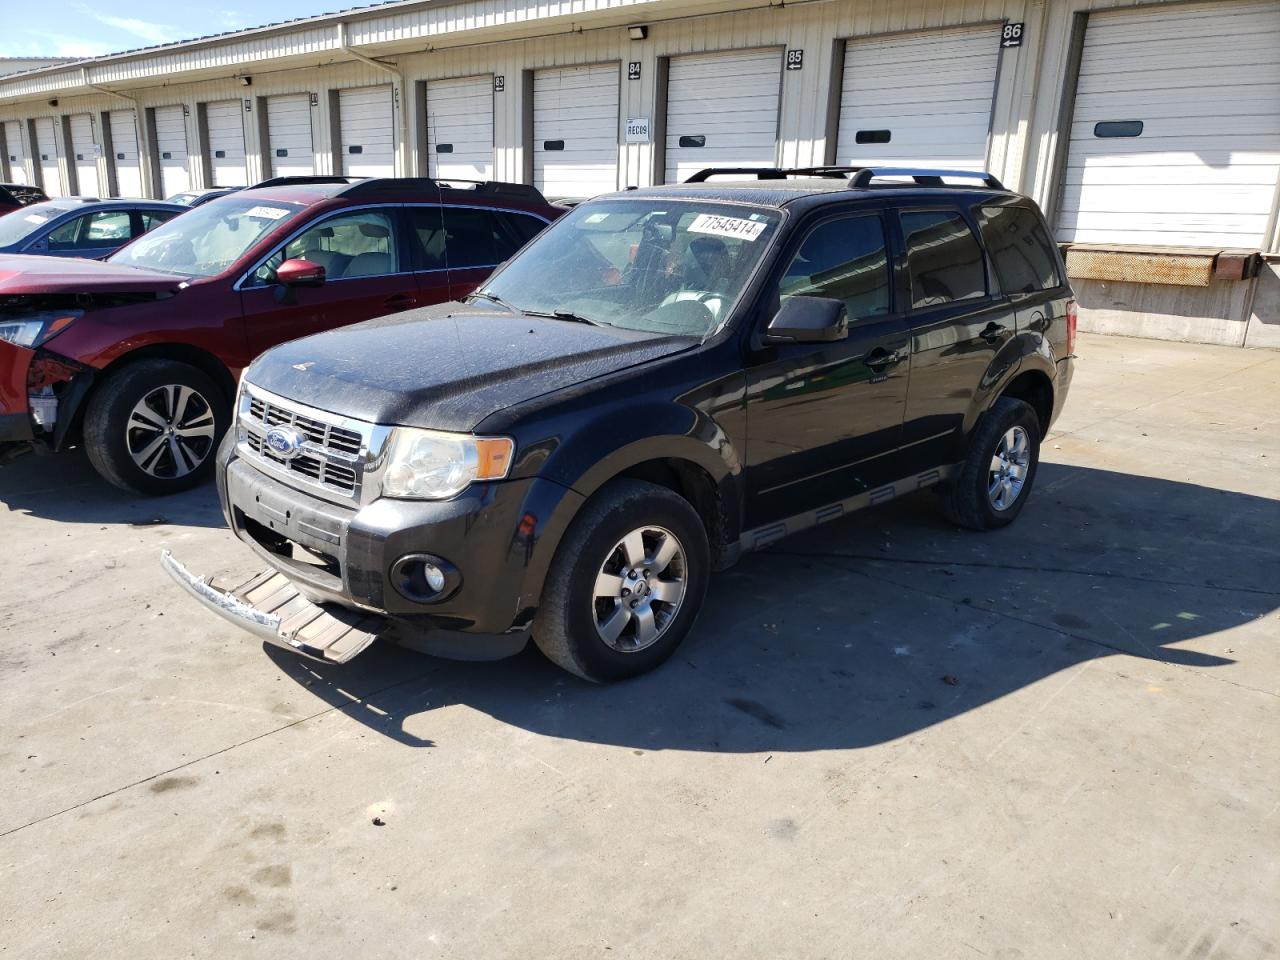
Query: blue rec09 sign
{"points": [[1011, 35]]}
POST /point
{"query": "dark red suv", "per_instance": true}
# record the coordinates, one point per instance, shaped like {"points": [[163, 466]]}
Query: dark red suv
{"points": [[138, 357]]}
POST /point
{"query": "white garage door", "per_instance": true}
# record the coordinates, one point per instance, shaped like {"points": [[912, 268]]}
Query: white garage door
{"points": [[922, 99], [289, 130], [367, 123], [171, 144], [1175, 139], [84, 155], [124, 154], [460, 127], [722, 111], [46, 150], [575, 130], [17, 155], [224, 119]]}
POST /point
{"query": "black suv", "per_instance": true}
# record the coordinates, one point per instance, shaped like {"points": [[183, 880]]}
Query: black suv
{"points": [[665, 378]]}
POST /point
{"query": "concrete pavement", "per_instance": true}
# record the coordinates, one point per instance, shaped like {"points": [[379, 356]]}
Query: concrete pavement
{"points": [[886, 738]]}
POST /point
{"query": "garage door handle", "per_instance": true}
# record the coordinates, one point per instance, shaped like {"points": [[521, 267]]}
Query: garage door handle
{"points": [[993, 332], [400, 300]]}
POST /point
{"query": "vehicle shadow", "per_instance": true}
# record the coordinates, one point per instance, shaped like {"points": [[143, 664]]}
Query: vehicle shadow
{"points": [[880, 625], [65, 487]]}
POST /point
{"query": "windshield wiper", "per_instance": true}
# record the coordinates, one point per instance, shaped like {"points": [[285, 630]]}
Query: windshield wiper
{"points": [[566, 315], [492, 298]]}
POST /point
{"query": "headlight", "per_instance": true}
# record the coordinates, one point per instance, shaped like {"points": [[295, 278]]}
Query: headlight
{"points": [[431, 465], [33, 329]]}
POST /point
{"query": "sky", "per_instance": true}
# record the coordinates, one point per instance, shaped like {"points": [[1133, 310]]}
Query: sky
{"points": [[87, 28]]}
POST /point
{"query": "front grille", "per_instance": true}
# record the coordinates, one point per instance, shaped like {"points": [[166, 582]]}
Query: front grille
{"points": [[333, 450]]}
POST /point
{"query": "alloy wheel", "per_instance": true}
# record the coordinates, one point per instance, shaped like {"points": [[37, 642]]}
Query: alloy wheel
{"points": [[170, 431], [639, 589], [1009, 467]]}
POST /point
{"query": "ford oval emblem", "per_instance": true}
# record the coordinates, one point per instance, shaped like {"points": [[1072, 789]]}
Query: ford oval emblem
{"points": [[284, 442]]}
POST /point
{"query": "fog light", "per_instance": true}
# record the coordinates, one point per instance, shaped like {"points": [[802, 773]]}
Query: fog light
{"points": [[423, 578], [435, 577]]}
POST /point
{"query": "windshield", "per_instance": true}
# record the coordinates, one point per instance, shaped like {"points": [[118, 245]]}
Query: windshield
{"points": [[208, 239], [654, 264], [21, 224]]}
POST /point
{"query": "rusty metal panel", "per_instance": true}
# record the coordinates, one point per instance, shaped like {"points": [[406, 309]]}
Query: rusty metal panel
{"points": [[1141, 266], [1236, 265]]}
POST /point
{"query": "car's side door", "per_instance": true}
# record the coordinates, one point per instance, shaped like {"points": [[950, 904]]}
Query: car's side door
{"points": [[430, 265], [959, 325], [368, 273], [824, 420]]}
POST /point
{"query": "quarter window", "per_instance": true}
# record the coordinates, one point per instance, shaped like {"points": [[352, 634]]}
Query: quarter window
{"points": [[347, 246], [944, 258], [1020, 250], [846, 260]]}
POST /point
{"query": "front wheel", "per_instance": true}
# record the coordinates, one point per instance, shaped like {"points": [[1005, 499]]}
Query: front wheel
{"points": [[994, 481], [626, 583], [153, 427]]}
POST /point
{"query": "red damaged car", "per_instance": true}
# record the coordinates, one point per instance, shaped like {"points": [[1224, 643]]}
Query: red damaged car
{"points": [[137, 357]]}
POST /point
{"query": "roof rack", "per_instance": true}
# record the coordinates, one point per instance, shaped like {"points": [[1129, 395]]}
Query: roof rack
{"points": [[922, 177], [858, 177], [768, 173], [396, 184], [295, 181]]}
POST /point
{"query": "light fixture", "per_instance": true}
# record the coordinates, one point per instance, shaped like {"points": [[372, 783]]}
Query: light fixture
{"points": [[246, 81], [638, 33]]}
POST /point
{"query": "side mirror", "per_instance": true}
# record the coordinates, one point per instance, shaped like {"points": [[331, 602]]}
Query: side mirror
{"points": [[300, 273], [809, 320]]}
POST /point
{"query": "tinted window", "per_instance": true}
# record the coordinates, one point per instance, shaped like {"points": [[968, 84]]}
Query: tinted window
{"points": [[944, 257], [846, 260], [1020, 249], [428, 231], [153, 218], [474, 238], [347, 246], [524, 227]]}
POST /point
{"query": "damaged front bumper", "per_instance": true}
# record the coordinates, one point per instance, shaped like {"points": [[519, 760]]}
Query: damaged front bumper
{"points": [[15, 414], [269, 606]]}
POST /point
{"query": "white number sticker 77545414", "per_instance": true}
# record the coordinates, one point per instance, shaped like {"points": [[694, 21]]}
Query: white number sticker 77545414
{"points": [[727, 227]]}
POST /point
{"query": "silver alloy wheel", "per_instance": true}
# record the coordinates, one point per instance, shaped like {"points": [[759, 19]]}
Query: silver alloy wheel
{"points": [[639, 589], [170, 431], [1009, 465]]}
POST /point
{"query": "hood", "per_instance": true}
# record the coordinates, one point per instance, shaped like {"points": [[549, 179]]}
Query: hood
{"points": [[448, 367], [23, 275]]}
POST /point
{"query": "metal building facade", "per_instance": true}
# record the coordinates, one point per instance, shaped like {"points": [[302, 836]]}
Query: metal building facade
{"points": [[587, 95]]}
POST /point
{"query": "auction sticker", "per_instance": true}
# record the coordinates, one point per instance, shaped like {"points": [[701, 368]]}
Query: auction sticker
{"points": [[727, 227], [267, 213]]}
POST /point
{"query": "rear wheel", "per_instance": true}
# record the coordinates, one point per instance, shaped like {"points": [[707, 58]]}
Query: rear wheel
{"points": [[626, 583], [152, 427], [995, 479]]}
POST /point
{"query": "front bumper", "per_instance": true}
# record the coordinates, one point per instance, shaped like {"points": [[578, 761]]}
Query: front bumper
{"points": [[269, 606], [497, 537]]}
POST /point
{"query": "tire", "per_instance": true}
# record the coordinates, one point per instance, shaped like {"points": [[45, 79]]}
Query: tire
{"points": [[972, 498], [131, 411], [659, 609]]}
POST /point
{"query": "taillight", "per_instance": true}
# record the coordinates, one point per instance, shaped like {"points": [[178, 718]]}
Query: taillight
{"points": [[1071, 327]]}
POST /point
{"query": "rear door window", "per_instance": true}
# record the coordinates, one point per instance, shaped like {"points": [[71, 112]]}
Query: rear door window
{"points": [[474, 238], [1020, 249], [944, 258]]}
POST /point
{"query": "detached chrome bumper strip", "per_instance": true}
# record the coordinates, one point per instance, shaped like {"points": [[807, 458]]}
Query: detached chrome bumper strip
{"points": [[269, 606]]}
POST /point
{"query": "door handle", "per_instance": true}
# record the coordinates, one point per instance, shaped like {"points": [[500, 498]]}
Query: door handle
{"points": [[400, 300], [993, 332], [880, 358]]}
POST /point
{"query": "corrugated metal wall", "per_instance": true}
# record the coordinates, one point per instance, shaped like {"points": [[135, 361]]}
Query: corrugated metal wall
{"points": [[512, 38]]}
